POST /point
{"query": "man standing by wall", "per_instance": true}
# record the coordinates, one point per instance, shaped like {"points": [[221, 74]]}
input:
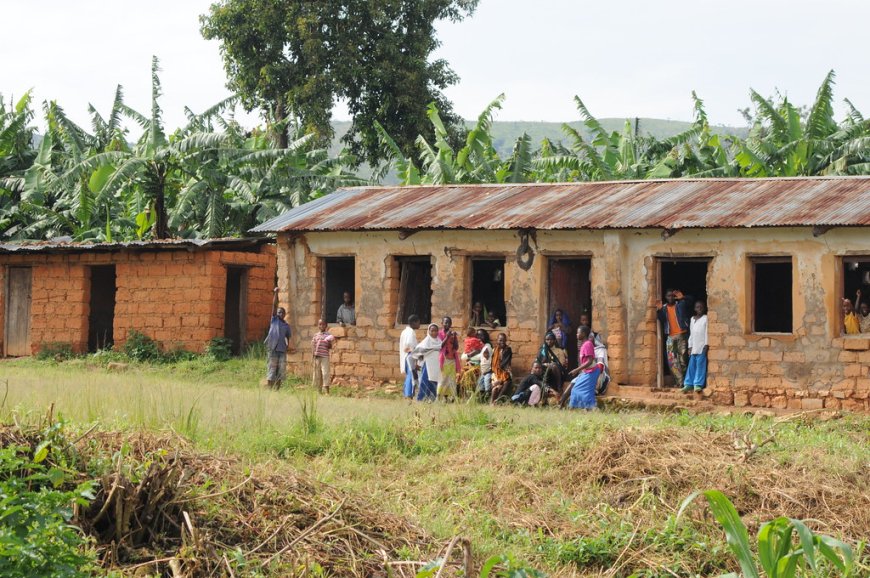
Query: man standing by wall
{"points": [[408, 365], [277, 343], [675, 316]]}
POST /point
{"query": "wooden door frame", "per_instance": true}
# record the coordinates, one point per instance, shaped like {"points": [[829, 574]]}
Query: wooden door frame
{"points": [[660, 338], [552, 256], [7, 284], [565, 257], [244, 272]]}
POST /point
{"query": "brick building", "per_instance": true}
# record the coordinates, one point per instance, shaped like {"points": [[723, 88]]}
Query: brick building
{"points": [[181, 293], [773, 257]]}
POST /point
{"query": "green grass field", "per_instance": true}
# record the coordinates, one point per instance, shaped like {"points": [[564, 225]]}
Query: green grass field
{"points": [[575, 494]]}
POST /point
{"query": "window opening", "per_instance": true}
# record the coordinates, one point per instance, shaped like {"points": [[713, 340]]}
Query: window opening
{"points": [[772, 295], [415, 289], [339, 277], [487, 289], [101, 319], [856, 277]]}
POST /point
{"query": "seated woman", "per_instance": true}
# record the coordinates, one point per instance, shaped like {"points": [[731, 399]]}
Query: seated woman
{"points": [[428, 353], [582, 391], [560, 325], [554, 361], [502, 356]]}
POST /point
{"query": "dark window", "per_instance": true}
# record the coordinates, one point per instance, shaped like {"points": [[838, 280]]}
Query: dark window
{"points": [[856, 277], [487, 287], [338, 276], [772, 295], [415, 289], [101, 319]]}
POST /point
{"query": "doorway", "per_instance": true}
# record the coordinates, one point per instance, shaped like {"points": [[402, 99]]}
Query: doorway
{"points": [[19, 285], [235, 308], [570, 289], [415, 289], [101, 319], [688, 275]]}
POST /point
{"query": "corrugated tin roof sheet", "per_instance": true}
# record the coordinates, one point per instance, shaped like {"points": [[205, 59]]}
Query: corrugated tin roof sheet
{"points": [[63, 245], [668, 204]]}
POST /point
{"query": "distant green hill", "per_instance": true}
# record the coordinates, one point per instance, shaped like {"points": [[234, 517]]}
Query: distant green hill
{"points": [[505, 133]]}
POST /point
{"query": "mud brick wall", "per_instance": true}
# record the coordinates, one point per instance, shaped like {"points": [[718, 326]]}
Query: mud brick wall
{"points": [[812, 367], [367, 354], [176, 297]]}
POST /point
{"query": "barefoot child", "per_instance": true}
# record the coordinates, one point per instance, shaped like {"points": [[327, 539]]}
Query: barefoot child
{"points": [[696, 372], [321, 345]]}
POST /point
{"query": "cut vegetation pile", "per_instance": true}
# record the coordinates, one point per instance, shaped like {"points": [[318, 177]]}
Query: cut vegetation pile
{"points": [[671, 464], [183, 514]]}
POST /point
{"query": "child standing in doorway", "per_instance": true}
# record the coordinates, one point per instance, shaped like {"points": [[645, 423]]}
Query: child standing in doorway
{"points": [[321, 344], [696, 373]]}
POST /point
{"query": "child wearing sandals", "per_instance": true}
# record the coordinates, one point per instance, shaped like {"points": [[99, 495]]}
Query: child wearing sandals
{"points": [[696, 372]]}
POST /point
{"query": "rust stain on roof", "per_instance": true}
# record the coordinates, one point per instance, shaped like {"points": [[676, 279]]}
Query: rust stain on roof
{"points": [[66, 245], [668, 204]]}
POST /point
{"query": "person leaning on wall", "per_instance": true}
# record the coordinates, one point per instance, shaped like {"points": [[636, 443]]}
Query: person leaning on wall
{"points": [[277, 344]]}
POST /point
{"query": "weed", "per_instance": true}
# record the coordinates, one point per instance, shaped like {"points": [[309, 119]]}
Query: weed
{"points": [[220, 348], [778, 555], [140, 347], [56, 351], [37, 500]]}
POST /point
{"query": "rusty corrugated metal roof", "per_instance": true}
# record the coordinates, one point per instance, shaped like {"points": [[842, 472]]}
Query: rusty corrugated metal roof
{"points": [[63, 245], [667, 204]]}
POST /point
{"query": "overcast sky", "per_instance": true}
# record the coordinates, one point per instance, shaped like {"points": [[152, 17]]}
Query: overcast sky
{"points": [[623, 57]]}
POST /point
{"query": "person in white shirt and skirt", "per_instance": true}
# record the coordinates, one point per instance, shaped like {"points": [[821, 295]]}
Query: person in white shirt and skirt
{"points": [[696, 372]]}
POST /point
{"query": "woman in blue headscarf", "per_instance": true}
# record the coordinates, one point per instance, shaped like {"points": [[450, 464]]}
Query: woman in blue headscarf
{"points": [[560, 325]]}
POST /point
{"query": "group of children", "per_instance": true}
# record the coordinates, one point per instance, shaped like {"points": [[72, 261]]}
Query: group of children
{"points": [[856, 319]]}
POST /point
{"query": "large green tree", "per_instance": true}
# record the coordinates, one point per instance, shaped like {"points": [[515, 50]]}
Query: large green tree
{"points": [[297, 59]]}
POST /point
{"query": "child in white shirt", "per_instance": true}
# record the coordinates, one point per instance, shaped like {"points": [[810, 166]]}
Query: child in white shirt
{"points": [[696, 372]]}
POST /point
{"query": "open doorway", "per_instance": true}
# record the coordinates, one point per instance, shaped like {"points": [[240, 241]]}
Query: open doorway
{"points": [[338, 278], [570, 289], [101, 319], [487, 287], [19, 285], [688, 275], [415, 289], [235, 308]]}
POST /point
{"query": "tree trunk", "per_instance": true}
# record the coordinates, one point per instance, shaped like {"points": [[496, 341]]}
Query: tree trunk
{"points": [[279, 130], [161, 223]]}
